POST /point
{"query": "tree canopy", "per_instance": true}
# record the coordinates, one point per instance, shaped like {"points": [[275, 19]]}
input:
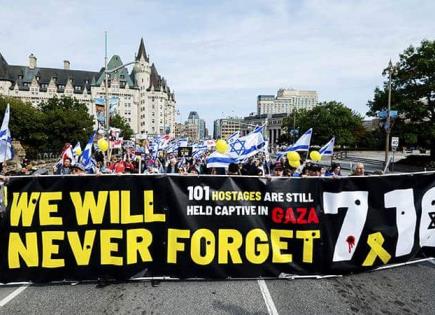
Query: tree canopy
{"points": [[48, 127], [26, 123], [329, 119], [412, 95], [120, 122], [65, 120]]}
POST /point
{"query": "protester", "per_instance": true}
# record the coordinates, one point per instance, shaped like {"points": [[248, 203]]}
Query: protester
{"points": [[233, 169], [359, 170], [278, 170], [78, 169], [65, 168], [335, 170]]}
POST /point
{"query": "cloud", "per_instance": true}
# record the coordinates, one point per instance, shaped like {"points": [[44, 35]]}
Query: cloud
{"points": [[222, 54]]}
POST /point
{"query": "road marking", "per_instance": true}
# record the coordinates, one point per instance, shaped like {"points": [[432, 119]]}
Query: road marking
{"points": [[12, 295], [267, 298]]}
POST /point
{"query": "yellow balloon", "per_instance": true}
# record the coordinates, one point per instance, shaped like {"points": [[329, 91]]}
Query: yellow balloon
{"points": [[295, 163], [103, 145], [221, 146], [293, 156], [315, 156]]}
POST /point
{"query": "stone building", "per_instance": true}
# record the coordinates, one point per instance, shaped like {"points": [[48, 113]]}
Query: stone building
{"points": [[286, 101], [143, 95]]}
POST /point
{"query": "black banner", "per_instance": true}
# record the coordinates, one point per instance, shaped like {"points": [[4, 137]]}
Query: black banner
{"points": [[89, 227]]}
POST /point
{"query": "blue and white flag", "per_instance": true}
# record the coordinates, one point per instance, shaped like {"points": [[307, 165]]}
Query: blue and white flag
{"points": [[5, 138], [183, 142], [86, 157], [233, 137], [247, 146], [217, 159], [198, 150], [302, 144], [328, 149], [77, 148]]}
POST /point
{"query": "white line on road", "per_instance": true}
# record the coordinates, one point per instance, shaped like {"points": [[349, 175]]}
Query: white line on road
{"points": [[12, 295], [267, 298]]}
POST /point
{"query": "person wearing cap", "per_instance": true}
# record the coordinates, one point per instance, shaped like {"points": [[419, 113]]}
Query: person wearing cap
{"points": [[78, 169], [277, 170]]}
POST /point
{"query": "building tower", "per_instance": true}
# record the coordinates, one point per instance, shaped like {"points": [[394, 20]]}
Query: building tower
{"points": [[141, 73]]}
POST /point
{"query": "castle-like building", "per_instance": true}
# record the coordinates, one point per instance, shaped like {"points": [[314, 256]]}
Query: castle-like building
{"points": [[144, 97]]}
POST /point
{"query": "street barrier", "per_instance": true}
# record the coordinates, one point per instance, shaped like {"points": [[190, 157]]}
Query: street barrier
{"points": [[91, 227]]}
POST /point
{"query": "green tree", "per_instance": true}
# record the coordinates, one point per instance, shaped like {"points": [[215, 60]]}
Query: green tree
{"points": [[413, 95], [329, 119], [120, 122], [65, 120], [26, 124]]}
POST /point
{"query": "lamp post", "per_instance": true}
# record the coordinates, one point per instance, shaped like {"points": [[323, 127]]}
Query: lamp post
{"points": [[391, 69], [107, 72]]}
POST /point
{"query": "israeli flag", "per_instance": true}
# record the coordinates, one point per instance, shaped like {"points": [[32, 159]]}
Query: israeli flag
{"points": [[171, 147], [247, 146], [328, 149], [5, 138], [183, 142], [233, 137], [86, 157], [217, 159], [198, 151]]}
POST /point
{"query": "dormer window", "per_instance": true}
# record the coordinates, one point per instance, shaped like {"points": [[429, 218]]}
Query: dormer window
{"points": [[20, 77], [37, 78], [78, 88]]}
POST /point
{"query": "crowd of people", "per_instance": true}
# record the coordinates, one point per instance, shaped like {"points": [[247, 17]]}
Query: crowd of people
{"points": [[128, 162], [140, 161]]}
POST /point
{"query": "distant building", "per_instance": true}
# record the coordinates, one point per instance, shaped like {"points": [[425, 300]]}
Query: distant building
{"points": [[144, 98], [286, 101], [371, 124], [193, 128], [273, 125], [200, 123], [225, 127]]}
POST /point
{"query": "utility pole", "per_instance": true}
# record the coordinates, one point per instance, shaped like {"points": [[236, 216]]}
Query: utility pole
{"points": [[106, 75], [388, 120]]}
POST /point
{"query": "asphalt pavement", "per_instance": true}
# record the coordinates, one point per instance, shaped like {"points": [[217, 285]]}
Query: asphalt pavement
{"points": [[407, 289]]}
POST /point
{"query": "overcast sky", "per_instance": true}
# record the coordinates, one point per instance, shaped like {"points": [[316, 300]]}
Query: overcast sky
{"points": [[219, 55]]}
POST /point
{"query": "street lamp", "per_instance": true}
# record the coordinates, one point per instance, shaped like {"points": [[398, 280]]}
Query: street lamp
{"points": [[391, 70], [106, 73]]}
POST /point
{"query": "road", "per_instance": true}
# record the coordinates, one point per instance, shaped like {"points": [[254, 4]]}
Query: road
{"points": [[404, 290]]}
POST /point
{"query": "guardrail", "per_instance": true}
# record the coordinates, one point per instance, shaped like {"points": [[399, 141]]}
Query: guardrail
{"points": [[340, 155]]}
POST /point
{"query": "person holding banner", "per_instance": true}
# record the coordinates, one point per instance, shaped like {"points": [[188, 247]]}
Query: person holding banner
{"points": [[335, 170], [65, 168], [359, 170]]}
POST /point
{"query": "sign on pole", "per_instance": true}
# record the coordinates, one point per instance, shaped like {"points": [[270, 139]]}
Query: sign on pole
{"points": [[394, 143]]}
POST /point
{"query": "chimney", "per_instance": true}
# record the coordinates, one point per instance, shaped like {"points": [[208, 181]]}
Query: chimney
{"points": [[32, 61], [66, 64]]}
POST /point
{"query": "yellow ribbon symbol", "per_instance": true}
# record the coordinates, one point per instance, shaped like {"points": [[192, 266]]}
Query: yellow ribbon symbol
{"points": [[375, 241]]}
